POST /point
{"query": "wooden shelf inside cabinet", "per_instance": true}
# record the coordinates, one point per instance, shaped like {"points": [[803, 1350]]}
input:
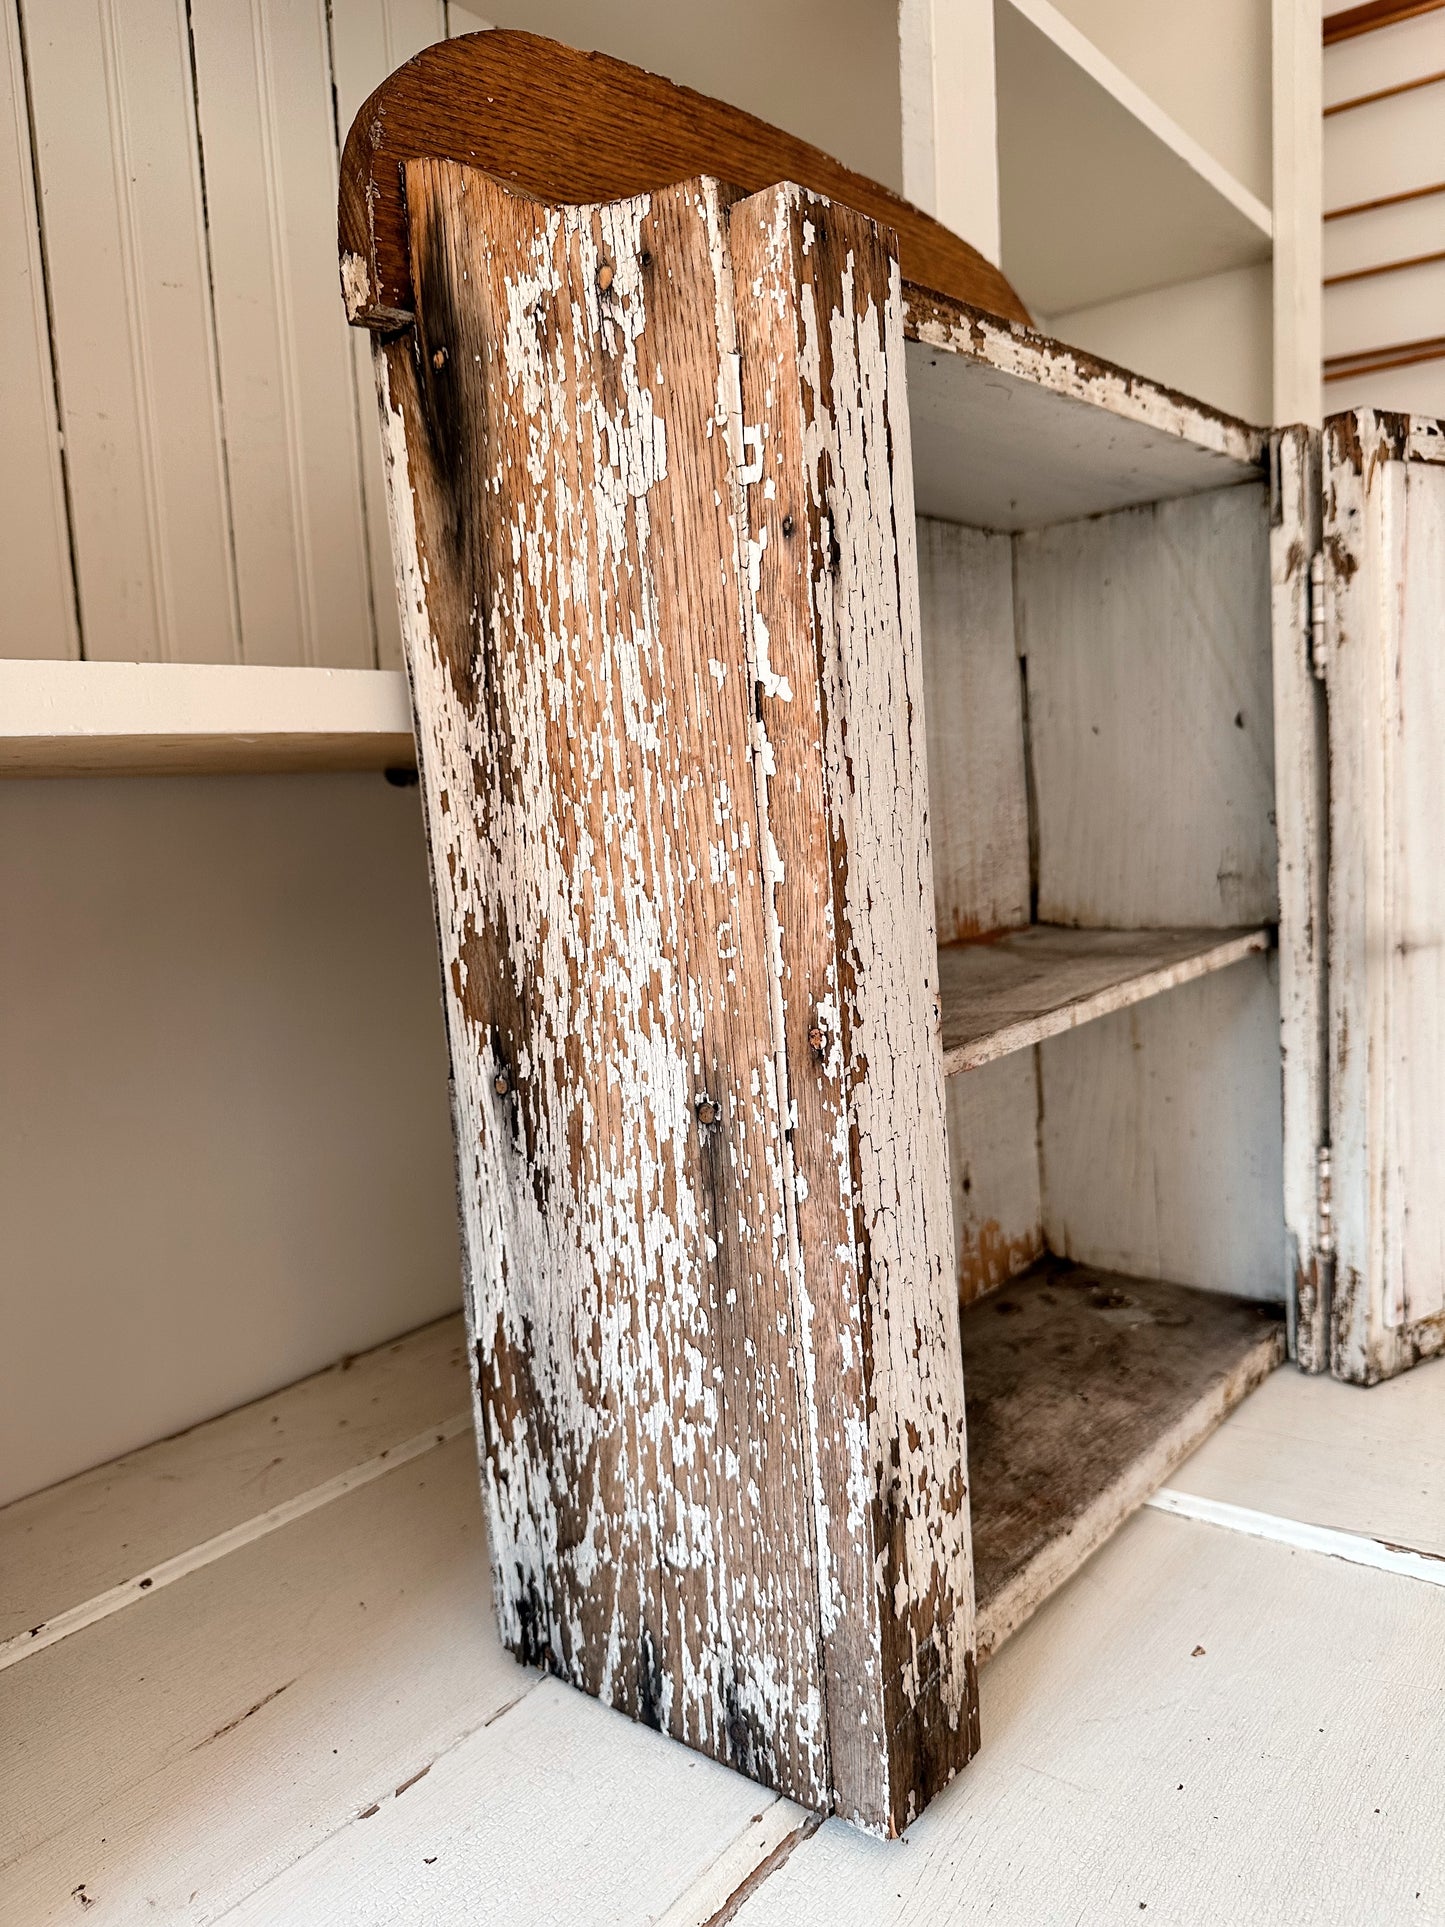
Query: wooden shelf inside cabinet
{"points": [[1085, 1390], [149, 718], [1006, 993]]}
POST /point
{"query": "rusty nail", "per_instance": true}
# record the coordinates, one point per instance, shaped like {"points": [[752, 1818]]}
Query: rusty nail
{"points": [[604, 276], [439, 359], [787, 525], [817, 1039], [501, 1083], [708, 1110]]}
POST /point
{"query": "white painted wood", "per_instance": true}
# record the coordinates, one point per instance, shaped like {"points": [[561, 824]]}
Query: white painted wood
{"points": [[1102, 193], [1317, 1451], [1382, 234], [1136, 1733], [1366, 62], [169, 1572], [225, 1154], [1297, 143], [1013, 431], [1146, 635], [1301, 805], [263, 83], [34, 521], [763, 1845], [1363, 315], [107, 719], [121, 197], [1354, 1548], [370, 39], [1031, 984], [948, 102], [479, 1839], [977, 795], [1385, 567], [1385, 148], [74, 1541], [993, 1169], [182, 1752], [1161, 1137]]}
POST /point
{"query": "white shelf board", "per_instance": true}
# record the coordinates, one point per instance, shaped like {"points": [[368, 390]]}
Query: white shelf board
{"points": [[138, 718], [1102, 193], [1014, 991]]}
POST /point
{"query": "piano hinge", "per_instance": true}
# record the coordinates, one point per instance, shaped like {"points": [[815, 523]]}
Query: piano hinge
{"points": [[1318, 649]]}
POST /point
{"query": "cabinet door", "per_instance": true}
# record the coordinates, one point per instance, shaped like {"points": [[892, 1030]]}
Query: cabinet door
{"points": [[1384, 581]]}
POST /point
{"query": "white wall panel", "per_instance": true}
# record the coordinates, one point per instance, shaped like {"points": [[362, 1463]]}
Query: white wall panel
{"points": [[34, 536], [268, 137], [121, 205]]}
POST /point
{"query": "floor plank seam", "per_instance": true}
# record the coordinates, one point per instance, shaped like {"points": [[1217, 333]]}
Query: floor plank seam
{"points": [[1357, 1548], [166, 1572], [716, 1895]]}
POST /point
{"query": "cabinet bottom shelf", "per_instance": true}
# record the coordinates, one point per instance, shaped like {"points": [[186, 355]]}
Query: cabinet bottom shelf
{"points": [[1085, 1390]]}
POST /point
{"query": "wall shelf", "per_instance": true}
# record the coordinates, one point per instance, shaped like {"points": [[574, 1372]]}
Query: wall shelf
{"points": [[1026, 985], [1102, 193], [143, 718]]}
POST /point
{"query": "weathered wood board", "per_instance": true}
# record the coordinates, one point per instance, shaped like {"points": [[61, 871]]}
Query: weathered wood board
{"points": [[1384, 537], [664, 666], [1038, 982], [973, 701], [1146, 636], [993, 1168], [1301, 802], [1160, 1137], [1085, 1390]]}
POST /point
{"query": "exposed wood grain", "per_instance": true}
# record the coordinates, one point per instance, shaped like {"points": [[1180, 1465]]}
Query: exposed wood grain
{"points": [[562, 495], [1147, 641], [835, 626], [34, 515], [1161, 1141], [1350, 21], [1384, 534], [62, 1546], [993, 1170], [134, 719], [1085, 1390], [1149, 1734], [978, 802], [1301, 805], [581, 127], [125, 241], [1030, 984]]}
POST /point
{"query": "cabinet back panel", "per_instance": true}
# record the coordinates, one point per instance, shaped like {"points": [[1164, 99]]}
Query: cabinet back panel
{"points": [[993, 1163], [1146, 638], [1161, 1137], [978, 805]]}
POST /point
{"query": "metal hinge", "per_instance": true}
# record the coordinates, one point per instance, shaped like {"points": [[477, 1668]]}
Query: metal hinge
{"points": [[1318, 648], [1324, 1208]]}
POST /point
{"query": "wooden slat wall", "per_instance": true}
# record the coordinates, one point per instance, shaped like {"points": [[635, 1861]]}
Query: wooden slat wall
{"points": [[175, 288], [1384, 332], [34, 534]]}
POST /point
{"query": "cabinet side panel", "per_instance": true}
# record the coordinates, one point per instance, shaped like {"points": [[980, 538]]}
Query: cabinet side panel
{"points": [[1302, 813], [1160, 1142], [1146, 641], [993, 1167], [562, 494], [977, 794], [840, 694], [1384, 538]]}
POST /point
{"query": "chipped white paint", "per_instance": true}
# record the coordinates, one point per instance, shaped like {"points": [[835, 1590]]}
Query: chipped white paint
{"points": [[1301, 815], [1384, 540], [723, 1460]]}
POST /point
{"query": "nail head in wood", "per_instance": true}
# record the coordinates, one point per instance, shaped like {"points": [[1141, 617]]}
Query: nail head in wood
{"points": [[708, 1110]]}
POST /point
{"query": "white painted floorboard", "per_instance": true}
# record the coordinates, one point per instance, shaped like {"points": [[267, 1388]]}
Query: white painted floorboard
{"points": [[321, 1727]]}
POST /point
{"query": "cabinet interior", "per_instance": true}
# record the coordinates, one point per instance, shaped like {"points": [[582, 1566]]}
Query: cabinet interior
{"points": [[1095, 621]]}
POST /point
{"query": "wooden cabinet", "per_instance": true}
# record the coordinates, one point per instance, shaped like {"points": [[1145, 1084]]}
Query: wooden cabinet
{"points": [[868, 750]]}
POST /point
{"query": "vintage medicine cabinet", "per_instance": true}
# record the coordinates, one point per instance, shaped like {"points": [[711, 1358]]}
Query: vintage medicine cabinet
{"points": [[895, 786]]}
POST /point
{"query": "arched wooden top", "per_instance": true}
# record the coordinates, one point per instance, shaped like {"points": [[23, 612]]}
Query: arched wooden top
{"points": [[565, 126]]}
